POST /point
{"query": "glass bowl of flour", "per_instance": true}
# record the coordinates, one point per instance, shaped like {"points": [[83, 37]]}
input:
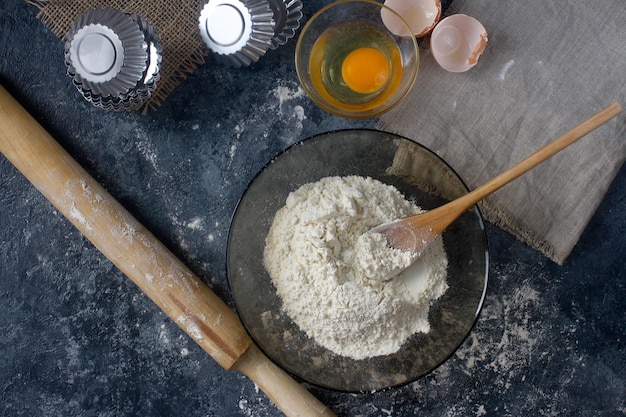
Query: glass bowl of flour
{"points": [[308, 294]]}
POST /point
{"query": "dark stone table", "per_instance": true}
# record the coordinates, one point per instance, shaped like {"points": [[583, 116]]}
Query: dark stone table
{"points": [[77, 338]]}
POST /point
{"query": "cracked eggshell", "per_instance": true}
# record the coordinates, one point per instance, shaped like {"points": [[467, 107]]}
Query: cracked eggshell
{"points": [[457, 42], [420, 15]]}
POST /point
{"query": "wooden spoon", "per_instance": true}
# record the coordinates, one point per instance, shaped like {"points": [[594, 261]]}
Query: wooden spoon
{"points": [[414, 233]]}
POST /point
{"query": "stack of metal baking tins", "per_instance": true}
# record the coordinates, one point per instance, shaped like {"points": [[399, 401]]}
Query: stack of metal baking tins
{"points": [[113, 58], [240, 32]]}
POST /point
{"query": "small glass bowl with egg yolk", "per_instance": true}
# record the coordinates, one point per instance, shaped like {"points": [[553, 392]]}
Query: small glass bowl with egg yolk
{"points": [[351, 64]]}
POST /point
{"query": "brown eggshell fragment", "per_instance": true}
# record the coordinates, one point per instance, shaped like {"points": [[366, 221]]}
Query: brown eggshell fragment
{"points": [[457, 42], [420, 15]]}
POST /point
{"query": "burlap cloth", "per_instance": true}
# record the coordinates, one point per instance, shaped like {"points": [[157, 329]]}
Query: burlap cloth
{"points": [[547, 67], [176, 23]]}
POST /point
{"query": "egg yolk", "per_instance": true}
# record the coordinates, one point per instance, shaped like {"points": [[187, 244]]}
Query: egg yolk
{"points": [[366, 70]]}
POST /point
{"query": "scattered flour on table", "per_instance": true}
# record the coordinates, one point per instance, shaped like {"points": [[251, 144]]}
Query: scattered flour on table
{"points": [[320, 261]]}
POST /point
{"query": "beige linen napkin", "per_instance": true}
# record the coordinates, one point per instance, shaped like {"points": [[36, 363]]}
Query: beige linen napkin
{"points": [[547, 67]]}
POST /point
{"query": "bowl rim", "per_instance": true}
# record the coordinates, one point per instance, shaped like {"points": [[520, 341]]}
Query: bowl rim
{"points": [[273, 355], [365, 114]]}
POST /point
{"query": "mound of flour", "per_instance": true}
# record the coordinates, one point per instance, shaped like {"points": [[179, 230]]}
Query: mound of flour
{"points": [[325, 267]]}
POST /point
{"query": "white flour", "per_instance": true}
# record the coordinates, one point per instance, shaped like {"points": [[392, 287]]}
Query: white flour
{"points": [[325, 268]]}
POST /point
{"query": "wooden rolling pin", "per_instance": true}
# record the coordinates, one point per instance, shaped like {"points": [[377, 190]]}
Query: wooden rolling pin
{"points": [[145, 260]]}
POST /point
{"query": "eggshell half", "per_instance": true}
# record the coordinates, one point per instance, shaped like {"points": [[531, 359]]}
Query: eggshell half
{"points": [[420, 15], [457, 42]]}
